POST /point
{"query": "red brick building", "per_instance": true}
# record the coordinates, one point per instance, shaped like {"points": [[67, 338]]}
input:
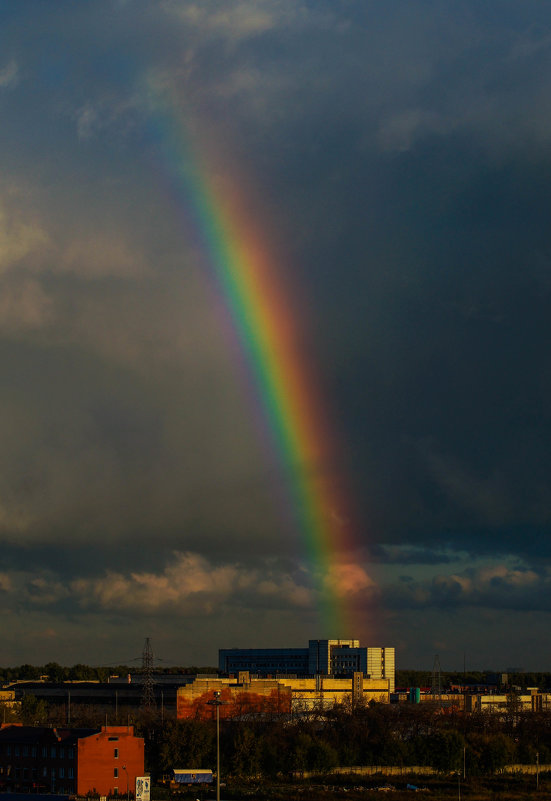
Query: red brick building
{"points": [[70, 761]]}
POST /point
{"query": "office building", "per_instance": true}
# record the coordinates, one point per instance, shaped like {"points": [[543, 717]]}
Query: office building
{"points": [[337, 658]]}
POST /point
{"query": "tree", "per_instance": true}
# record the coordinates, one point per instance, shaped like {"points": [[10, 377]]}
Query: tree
{"points": [[55, 672], [488, 753], [322, 757], [33, 710], [446, 748], [246, 755]]}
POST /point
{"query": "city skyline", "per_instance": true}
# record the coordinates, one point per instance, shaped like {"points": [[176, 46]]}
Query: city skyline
{"points": [[274, 312]]}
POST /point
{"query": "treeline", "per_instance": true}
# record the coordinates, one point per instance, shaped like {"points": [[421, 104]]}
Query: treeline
{"points": [[423, 678], [374, 735], [58, 673]]}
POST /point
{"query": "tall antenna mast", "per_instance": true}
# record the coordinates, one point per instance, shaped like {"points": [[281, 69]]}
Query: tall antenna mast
{"points": [[148, 691]]}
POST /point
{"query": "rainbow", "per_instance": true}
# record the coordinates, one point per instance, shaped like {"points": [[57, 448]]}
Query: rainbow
{"points": [[246, 274]]}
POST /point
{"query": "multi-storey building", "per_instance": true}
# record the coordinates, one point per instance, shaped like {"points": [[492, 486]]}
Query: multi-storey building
{"points": [[321, 658], [381, 664], [103, 761]]}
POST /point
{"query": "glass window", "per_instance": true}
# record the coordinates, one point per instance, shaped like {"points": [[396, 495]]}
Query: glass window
{"points": [[70, 753], [16, 751], [71, 773], [44, 751], [33, 750], [62, 773], [116, 773], [116, 753], [8, 750], [44, 771], [25, 750], [53, 752], [62, 753]]}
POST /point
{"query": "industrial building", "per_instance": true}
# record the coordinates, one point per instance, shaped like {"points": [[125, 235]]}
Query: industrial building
{"points": [[322, 658], [533, 701], [246, 696], [115, 698], [102, 761]]}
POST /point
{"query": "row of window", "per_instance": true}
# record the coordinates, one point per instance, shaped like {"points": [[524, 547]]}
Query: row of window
{"points": [[26, 773], [55, 751]]}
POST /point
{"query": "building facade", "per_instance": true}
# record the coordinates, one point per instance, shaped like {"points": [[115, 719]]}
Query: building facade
{"points": [[245, 696], [240, 697], [336, 658], [35, 759]]}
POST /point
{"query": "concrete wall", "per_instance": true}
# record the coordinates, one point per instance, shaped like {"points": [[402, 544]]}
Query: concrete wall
{"points": [[420, 770], [373, 770], [239, 698]]}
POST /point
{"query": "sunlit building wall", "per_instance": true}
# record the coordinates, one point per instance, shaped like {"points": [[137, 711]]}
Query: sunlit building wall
{"points": [[244, 696], [381, 663]]}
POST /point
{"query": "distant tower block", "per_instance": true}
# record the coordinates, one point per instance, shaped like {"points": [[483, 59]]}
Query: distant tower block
{"points": [[148, 692]]}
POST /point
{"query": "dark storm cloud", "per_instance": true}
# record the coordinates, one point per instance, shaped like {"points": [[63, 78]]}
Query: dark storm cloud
{"points": [[401, 153], [497, 587], [408, 555]]}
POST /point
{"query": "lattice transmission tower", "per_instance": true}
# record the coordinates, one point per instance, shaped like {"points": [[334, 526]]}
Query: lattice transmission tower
{"points": [[436, 687], [148, 690]]}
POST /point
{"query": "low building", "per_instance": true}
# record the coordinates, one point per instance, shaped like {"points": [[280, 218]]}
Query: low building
{"points": [[508, 704], [323, 692], [117, 697], [102, 761], [446, 700], [246, 696]]}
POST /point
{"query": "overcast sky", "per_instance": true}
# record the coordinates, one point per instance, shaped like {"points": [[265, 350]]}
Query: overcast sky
{"points": [[399, 158]]}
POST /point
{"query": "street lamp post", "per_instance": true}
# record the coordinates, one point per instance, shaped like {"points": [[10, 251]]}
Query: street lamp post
{"points": [[217, 702], [127, 784]]}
